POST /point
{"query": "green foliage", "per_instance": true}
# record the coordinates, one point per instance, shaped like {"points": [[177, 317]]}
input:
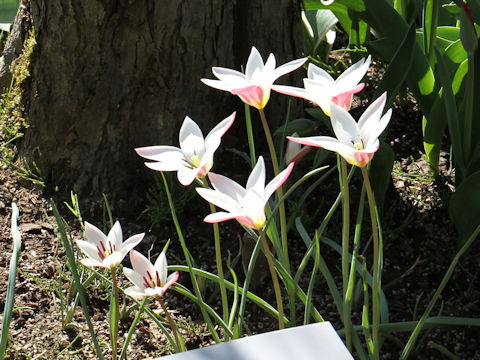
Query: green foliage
{"points": [[158, 207], [8, 9]]}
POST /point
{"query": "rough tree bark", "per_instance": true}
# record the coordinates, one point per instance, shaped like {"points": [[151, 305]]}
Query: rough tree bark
{"points": [[111, 75]]}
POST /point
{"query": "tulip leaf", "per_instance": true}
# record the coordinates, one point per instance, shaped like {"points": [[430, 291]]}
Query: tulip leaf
{"points": [[451, 114], [301, 126], [357, 5], [464, 206], [398, 68], [391, 29], [12, 275], [455, 52], [459, 76], [380, 173]]}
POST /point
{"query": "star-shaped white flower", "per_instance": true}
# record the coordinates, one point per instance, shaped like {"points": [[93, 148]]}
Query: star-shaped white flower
{"points": [[106, 251], [148, 280], [254, 86], [356, 143], [247, 205], [321, 89], [194, 158]]}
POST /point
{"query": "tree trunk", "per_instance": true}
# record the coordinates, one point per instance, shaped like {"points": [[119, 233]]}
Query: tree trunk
{"points": [[111, 75]]}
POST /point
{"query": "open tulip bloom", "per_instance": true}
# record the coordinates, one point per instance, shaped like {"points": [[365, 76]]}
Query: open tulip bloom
{"points": [[356, 143], [321, 89], [254, 86], [194, 158], [106, 251], [247, 205], [148, 280]]}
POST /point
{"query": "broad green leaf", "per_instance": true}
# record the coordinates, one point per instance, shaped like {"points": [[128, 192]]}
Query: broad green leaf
{"points": [[440, 43], [464, 206], [455, 52], [451, 33], [433, 126], [459, 75], [451, 114], [398, 68], [391, 28], [357, 5]]}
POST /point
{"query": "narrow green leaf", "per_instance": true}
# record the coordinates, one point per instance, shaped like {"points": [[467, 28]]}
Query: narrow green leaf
{"points": [[12, 274]]}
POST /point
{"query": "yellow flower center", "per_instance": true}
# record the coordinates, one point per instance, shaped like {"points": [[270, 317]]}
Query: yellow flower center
{"points": [[358, 145]]}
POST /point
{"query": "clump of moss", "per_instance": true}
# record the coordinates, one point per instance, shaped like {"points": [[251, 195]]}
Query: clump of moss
{"points": [[12, 112], [12, 117]]}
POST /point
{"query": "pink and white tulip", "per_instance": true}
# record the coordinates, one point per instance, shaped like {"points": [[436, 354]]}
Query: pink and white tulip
{"points": [[254, 86], [295, 152], [106, 251], [321, 89], [194, 158], [148, 280], [356, 143], [247, 205]]}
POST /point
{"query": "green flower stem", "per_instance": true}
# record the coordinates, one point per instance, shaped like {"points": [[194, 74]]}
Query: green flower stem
{"points": [[116, 316], [345, 247], [276, 285], [173, 327], [123, 354], [411, 342], [377, 271], [469, 94], [189, 263], [285, 259], [251, 142], [218, 258]]}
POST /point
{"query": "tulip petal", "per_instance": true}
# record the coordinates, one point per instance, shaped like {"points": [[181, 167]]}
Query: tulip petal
{"points": [[213, 139], [141, 265], [276, 182], [160, 153], [345, 127], [254, 63], [227, 186], [221, 85], [256, 179], [135, 278], [115, 236], [291, 91], [89, 249], [131, 242], [354, 73], [135, 292], [344, 99], [161, 267], [172, 279], [186, 176], [94, 235], [191, 139], [113, 260], [222, 216], [219, 199], [373, 113], [91, 263], [228, 75], [162, 166], [288, 67], [317, 74]]}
